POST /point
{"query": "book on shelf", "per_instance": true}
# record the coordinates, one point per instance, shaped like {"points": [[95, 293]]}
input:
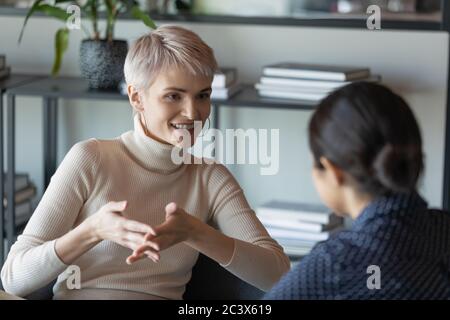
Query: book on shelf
{"points": [[282, 88], [298, 211], [224, 77], [22, 195], [301, 235], [277, 222], [289, 242], [5, 72], [316, 71], [225, 93], [296, 251], [23, 212], [21, 181], [2, 61], [296, 242], [296, 247], [305, 84], [303, 96]]}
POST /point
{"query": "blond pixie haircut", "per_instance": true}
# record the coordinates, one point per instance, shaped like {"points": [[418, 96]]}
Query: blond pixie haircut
{"points": [[167, 47]]}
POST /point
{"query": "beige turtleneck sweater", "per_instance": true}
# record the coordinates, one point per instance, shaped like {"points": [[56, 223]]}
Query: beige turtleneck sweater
{"points": [[138, 169]]}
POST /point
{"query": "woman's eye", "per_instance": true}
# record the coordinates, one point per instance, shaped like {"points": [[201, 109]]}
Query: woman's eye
{"points": [[203, 96], [173, 97]]}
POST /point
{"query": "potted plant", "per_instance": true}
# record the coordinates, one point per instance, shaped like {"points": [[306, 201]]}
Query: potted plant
{"points": [[101, 56]]}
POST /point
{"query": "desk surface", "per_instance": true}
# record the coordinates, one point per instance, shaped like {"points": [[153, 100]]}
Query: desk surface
{"points": [[77, 88], [16, 80], [65, 87]]}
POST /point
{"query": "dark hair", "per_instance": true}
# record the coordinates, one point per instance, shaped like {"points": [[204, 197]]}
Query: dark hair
{"points": [[371, 134]]}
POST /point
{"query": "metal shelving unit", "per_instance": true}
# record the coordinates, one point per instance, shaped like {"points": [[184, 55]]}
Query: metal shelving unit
{"points": [[6, 84]]}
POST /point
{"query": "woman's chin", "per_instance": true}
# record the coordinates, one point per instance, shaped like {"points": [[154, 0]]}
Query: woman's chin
{"points": [[183, 138]]}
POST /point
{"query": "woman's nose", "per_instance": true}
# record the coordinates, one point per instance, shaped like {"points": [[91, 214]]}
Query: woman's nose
{"points": [[189, 110]]}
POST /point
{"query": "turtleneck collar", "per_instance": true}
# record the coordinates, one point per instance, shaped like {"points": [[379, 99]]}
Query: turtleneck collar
{"points": [[152, 154]]}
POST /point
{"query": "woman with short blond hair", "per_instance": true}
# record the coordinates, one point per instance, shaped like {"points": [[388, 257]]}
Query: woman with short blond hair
{"points": [[130, 218]]}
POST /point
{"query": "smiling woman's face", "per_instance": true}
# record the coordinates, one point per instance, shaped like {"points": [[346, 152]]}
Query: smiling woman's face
{"points": [[173, 102]]}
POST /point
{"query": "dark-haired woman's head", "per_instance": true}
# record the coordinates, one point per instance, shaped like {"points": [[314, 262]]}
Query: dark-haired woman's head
{"points": [[364, 139]]}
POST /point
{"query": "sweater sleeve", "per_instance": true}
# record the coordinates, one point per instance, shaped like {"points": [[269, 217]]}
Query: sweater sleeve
{"points": [[257, 258], [32, 262]]}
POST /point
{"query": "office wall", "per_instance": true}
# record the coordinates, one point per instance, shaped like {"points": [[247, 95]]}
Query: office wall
{"points": [[414, 63]]}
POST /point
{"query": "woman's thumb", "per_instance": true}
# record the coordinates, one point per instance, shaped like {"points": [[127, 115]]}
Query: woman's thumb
{"points": [[118, 206], [171, 208]]}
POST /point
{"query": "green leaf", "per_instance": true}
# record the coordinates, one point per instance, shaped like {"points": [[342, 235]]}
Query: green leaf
{"points": [[54, 12], [109, 7], [29, 13], [91, 9], [139, 14], [49, 10], [88, 4], [61, 44]]}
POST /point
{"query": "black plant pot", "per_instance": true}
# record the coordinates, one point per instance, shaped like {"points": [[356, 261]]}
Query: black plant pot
{"points": [[101, 62]]}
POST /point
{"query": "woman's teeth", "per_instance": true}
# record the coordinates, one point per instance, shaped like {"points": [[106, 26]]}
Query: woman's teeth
{"points": [[183, 126]]}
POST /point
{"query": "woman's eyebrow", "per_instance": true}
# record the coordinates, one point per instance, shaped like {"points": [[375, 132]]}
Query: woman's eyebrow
{"points": [[184, 90], [175, 89], [206, 89]]}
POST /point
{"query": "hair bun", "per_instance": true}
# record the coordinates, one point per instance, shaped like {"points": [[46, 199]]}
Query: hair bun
{"points": [[398, 167]]}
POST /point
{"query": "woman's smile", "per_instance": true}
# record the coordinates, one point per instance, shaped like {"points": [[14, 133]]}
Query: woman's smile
{"points": [[184, 128]]}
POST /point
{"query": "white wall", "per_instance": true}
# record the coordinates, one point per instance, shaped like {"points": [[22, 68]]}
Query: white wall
{"points": [[413, 63]]}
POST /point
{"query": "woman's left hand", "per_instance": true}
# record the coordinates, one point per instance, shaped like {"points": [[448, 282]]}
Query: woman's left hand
{"points": [[177, 228]]}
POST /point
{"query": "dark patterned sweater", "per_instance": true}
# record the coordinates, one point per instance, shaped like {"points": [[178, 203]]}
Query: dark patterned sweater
{"points": [[396, 249]]}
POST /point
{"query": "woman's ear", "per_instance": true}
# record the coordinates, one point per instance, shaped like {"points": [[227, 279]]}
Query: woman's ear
{"points": [[335, 174], [135, 98]]}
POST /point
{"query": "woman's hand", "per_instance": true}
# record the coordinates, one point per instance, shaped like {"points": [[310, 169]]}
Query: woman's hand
{"points": [[109, 224], [178, 227]]}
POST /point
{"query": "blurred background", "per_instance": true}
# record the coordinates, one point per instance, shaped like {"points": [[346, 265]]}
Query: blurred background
{"points": [[280, 8]]}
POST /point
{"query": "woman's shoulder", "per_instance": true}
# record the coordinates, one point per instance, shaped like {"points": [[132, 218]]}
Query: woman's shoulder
{"points": [[92, 148], [212, 170], [89, 146], [90, 151], [336, 250], [84, 151]]}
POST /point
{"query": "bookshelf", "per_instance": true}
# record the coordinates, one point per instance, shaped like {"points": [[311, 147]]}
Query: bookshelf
{"points": [[12, 81]]}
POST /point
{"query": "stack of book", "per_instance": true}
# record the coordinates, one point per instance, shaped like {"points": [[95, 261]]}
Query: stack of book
{"points": [[298, 227], [225, 84], [308, 82], [25, 191], [4, 69]]}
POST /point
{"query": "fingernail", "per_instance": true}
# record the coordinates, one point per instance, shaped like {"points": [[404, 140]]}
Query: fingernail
{"points": [[171, 205]]}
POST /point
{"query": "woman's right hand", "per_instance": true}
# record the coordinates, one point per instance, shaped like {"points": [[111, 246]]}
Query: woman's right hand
{"points": [[109, 224]]}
